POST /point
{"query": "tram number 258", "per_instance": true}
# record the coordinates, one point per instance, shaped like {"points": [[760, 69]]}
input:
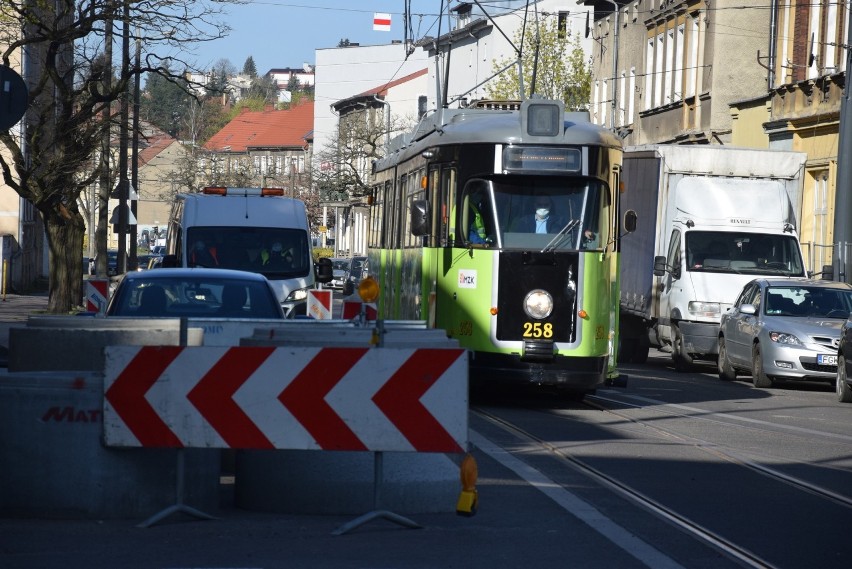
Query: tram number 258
{"points": [[538, 330]]}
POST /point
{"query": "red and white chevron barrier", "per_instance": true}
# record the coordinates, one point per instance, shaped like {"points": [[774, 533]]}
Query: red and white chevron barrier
{"points": [[96, 295], [366, 399]]}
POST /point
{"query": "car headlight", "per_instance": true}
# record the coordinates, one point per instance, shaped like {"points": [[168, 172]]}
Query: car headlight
{"points": [[710, 309], [785, 338], [538, 304], [298, 294]]}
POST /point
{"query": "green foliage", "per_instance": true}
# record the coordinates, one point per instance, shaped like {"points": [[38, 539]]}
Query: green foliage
{"points": [[561, 70], [320, 252], [164, 102], [249, 103], [249, 68]]}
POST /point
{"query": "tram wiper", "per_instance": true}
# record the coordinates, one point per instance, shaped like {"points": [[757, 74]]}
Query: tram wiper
{"points": [[560, 237]]}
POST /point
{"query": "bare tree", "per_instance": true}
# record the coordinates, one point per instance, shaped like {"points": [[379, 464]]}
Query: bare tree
{"points": [[345, 163], [52, 160]]}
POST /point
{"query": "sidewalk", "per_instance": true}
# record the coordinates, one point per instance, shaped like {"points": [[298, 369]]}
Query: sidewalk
{"points": [[14, 311]]}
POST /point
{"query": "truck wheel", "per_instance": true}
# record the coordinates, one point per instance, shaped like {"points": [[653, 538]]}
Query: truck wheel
{"points": [[682, 360], [726, 370], [758, 375], [641, 349], [844, 392], [626, 348]]}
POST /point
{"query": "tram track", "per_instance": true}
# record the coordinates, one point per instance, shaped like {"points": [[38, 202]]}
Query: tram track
{"points": [[701, 533], [720, 451]]}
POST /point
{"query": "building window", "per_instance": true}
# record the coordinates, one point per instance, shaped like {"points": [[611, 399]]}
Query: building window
{"points": [[649, 75], [659, 69], [672, 61], [631, 88], [821, 255]]}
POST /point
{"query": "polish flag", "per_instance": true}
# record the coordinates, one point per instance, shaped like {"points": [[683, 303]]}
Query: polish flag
{"points": [[381, 22]]}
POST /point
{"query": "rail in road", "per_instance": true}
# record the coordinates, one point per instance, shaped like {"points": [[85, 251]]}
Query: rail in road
{"points": [[761, 476]]}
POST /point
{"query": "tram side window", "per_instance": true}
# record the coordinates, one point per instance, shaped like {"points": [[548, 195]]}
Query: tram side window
{"points": [[476, 214], [411, 194], [375, 238], [448, 201]]}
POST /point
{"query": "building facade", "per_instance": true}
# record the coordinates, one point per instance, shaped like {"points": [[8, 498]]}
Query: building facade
{"points": [[729, 72], [264, 149]]}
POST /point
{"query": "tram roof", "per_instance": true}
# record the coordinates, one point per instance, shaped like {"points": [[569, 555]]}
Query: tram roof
{"points": [[490, 126]]}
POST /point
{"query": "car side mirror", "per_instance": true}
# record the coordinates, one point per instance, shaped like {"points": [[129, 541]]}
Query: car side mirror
{"points": [[324, 270], [748, 309], [660, 266], [169, 261]]}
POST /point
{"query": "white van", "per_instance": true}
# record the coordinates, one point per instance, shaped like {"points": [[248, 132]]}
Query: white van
{"points": [[249, 229]]}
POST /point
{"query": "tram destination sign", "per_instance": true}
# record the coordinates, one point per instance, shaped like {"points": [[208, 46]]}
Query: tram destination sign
{"points": [[538, 158]]}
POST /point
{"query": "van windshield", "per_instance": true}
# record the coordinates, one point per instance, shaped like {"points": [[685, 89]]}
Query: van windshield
{"points": [[275, 252], [746, 253]]}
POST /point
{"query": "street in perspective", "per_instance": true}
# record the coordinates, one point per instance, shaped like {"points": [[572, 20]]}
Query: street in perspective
{"points": [[674, 470], [526, 284]]}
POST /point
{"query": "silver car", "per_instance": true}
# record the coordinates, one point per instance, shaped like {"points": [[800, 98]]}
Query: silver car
{"points": [[784, 329], [339, 268]]}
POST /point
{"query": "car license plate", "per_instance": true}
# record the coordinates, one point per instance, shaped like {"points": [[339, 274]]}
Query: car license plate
{"points": [[826, 360]]}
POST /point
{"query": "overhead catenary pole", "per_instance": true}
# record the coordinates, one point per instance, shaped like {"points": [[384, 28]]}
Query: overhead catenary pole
{"points": [[134, 155], [615, 29], [123, 184], [843, 191]]}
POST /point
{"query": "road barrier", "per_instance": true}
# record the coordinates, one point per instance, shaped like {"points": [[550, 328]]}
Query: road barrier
{"points": [[383, 401]]}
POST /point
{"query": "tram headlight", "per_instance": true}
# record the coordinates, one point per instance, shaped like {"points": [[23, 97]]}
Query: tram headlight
{"points": [[538, 304]]}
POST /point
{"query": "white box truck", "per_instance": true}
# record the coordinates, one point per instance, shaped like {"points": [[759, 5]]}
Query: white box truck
{"points": [[249, 229], [710, 218]]}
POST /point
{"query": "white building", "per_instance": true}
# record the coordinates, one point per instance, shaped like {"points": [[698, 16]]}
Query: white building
{"points": [[343, 72]]}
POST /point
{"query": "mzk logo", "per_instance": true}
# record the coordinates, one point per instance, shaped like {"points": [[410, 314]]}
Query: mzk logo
{"points": [[467, 279]]}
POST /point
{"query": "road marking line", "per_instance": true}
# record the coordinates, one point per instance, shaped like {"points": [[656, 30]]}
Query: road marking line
{"points": [[576, 506]]}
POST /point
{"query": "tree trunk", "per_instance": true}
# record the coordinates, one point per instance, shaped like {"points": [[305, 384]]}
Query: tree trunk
{"points": [[65, 241]]}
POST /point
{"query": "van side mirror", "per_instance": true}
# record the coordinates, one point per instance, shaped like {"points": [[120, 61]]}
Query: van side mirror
{"points": [[660, 266], [630, 218], [420, 218], [323, 270], [169, 261]]}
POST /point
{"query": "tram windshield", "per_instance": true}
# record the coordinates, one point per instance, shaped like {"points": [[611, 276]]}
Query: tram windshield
{"points": [[540, 212]]}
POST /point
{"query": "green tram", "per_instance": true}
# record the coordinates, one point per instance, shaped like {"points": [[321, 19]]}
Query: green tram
{"points": [[453, 240]]}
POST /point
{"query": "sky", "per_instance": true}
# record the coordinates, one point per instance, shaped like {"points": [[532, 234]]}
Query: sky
{"points": [[286, 33]]}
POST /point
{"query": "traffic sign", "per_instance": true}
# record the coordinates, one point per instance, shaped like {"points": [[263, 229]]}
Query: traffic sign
{"points": [[14, 97], [319, 304], [96, 295], [361, 399]]}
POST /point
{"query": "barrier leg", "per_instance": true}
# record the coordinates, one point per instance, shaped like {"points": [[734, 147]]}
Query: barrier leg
{"points": [[179, 506], [378, 475]]}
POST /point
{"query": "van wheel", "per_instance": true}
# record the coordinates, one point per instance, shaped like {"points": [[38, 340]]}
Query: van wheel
{"points": [[726, 370], [682, 360], [844, 392], [758, 375]]}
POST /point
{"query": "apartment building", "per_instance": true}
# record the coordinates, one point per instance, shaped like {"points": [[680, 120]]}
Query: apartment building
{"points": [[763, 75], [263, 148], [666, 71]]}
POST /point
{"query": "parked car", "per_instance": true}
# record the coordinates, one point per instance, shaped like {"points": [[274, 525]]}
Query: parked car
{"points": [[197, 292], [843, 379], [357, 271], [339, 267], [784, 329]]}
